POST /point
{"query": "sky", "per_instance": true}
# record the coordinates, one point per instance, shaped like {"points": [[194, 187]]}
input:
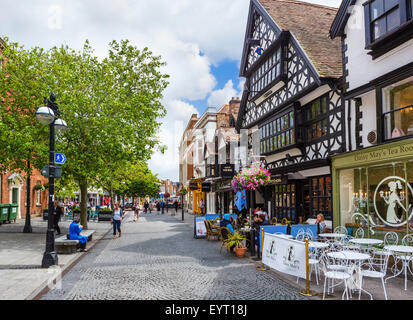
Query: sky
{"points": [[201, 42]]}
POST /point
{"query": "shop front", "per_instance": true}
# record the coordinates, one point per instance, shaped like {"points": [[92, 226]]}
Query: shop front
{"points": [[298, 200], [196, 194], [372, 189]]}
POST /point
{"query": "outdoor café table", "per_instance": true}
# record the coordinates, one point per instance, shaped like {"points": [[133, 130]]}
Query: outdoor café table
{"points": [[348, 256], [366, 242], [407, 250], [318, 245], [332, 235]]}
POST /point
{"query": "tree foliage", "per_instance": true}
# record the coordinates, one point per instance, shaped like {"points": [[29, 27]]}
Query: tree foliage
{"points": [[112, 107]]}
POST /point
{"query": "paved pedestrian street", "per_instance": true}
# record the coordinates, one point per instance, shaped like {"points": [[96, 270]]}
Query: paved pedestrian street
{"points": [[157, 258]]}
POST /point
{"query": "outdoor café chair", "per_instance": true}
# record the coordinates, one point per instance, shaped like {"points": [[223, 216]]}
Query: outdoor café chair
{"points": [[390, 239], [375, 268], [341, 229], [331, 275], [274, 221]]}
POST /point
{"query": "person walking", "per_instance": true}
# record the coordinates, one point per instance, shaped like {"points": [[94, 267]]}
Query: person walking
{"points": [[201, 206], [163, 206], [136, 216], [116, 220], [146, 206], [57, 213], [158, 206]]}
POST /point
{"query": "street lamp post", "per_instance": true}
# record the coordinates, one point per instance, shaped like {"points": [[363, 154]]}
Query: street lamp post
{"points": [[48, 115]]}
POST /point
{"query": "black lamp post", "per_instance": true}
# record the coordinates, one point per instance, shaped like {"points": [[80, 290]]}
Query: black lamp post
{"points": [[47, 115]]}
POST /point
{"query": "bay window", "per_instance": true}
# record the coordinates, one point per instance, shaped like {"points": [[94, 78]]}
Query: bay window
{"points": [[278, 133]]}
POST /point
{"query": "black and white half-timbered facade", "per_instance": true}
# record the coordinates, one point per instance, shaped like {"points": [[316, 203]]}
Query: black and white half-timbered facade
{"points": [[291, 107]]}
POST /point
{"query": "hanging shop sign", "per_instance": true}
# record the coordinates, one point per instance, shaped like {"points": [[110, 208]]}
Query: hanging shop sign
{"points": [[284, 255], [193, 186], [227, 170], [206, 187]]}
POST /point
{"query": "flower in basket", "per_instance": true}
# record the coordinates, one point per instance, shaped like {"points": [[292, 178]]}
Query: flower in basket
{"points": [[251, 178]]}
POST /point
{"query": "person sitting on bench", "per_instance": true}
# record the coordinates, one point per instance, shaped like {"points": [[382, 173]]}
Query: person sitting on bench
{"points": [[74, 234]]}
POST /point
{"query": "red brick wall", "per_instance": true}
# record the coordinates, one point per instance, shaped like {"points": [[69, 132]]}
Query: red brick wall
{"points": [[34, 209]]}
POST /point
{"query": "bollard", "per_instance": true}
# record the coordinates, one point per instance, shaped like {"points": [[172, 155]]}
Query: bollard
{"points": [[262, 267], [307, 292]]}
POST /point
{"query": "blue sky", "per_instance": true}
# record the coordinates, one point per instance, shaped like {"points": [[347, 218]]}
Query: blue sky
{"points": [[201, 41]]}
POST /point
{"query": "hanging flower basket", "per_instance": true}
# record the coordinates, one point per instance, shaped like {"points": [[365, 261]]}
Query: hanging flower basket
{"points": [[251, 179]]}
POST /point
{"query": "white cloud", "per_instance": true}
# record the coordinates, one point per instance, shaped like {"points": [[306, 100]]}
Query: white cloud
{"points": [[219, 97]]}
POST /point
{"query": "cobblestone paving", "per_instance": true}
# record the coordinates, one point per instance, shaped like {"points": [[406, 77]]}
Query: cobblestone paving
{"points": [[157, 258]]}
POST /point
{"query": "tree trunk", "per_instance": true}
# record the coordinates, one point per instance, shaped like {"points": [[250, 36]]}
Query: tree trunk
{"points": [[83, 203], [111, 199]]}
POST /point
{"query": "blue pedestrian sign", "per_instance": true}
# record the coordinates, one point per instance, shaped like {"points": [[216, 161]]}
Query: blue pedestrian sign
{"points": [[59, 158]]}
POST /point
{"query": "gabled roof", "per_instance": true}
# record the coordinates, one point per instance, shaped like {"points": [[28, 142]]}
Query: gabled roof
{"points": [[340, 21], [310, 25]]}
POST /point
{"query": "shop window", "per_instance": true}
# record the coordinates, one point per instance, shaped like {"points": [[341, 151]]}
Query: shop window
{"points": [[277, 134], [398, 109], [377, 197], [284, 202], [320, 197]]}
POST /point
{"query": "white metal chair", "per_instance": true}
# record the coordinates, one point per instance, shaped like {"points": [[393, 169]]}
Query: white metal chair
{"points": [[359, 234], [390, 239], [332, 274], [376, 268], [341, 229], [406, 259]]}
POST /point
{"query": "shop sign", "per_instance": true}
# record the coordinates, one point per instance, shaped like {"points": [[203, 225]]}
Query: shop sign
{"points": [[384, 153], [193, 186], [200, 228], [206, 187], [279, 180], [284, 255], [227, 170]]}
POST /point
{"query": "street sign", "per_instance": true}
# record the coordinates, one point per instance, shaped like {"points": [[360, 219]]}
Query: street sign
{"points": [[57, 172], [59, 158]]}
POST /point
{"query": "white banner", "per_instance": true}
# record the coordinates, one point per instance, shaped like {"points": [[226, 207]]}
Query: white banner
{"points": [[284, 255]]}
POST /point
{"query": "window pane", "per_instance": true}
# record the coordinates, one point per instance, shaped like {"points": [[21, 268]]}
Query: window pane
{"points": [[376, 9], [390, 4], [379, 28], [410, 9], [398, 96], [393, 20]]}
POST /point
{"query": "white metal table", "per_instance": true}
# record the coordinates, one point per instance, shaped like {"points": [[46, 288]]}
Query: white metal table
{"points": [[408, 252], [332, 235], [349, 255], [318, 245], [366, 242]]}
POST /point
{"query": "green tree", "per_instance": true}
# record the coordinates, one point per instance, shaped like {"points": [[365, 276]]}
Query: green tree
{"points": [[112, 106]]}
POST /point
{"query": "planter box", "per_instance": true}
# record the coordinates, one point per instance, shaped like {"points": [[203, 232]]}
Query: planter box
{"points": [[105, 216]]}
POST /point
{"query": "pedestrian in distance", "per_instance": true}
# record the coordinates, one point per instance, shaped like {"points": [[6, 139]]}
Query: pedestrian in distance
{"points": [[176, 207], [136, 216], [201, 206], [146, 206], [74, 234], [158, 206], [163, 206], [116, 220], [57, 213]]}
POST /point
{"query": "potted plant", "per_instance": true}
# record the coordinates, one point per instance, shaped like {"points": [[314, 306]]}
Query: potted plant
{"points": [[236, 240]]}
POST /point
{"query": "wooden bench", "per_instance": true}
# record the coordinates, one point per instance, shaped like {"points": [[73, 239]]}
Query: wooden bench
{"points": [[65, 246]]}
